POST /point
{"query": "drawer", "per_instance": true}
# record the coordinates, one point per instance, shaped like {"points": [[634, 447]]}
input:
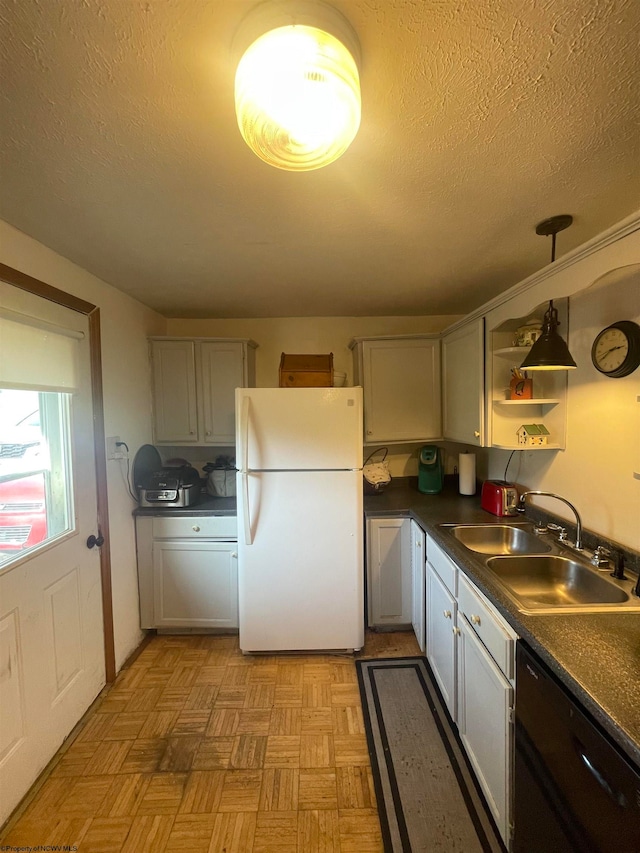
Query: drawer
{"points": [[444, 566], [491, 629], [195, 527]]}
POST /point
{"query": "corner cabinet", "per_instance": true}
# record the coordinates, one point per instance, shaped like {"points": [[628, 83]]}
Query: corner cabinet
{"points": [[389, 582], [400, 377], [194, 382], [463, 384]]}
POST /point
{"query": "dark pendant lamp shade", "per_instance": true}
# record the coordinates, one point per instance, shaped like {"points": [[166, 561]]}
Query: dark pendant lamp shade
{"points": [[550, 351]]}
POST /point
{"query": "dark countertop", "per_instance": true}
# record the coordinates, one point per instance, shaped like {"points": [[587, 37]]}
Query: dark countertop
{"points": [[207, 505], [597, 655]]}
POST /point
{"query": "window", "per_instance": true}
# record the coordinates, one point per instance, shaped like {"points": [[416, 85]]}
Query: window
{"points": [[35, 470]]}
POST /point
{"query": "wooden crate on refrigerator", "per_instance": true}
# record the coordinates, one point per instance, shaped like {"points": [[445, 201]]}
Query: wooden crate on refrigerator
{"points": [[306, 370]]}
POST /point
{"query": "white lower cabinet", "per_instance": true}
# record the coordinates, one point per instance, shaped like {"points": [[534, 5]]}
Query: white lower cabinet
{"points": [[195, 584], [441, 638], [418, 542], [388, 572], [471, 650], [485, 699], [188, 572]]}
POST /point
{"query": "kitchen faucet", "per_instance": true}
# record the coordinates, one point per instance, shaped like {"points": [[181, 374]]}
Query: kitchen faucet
{"points": [[521, 508]]}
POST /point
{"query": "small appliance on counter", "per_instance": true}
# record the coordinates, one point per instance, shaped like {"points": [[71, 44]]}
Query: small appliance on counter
{"points": [[163, 486], [499, 497], [170, 487], [430, 470]]}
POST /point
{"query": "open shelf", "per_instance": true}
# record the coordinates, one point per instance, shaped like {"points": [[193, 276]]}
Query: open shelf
{"points": [[540, 401], [512, 352], [523, 447], [549, 403]]}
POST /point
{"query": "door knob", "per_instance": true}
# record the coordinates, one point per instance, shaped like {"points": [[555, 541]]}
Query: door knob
{"points": [[98, 540]]}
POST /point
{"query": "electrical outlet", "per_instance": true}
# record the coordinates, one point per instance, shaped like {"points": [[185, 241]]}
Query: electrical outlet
{"points": [[113, 451]]}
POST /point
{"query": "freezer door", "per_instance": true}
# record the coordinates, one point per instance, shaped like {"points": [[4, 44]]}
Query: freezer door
{"points": [[289, 429], [300, 561]]}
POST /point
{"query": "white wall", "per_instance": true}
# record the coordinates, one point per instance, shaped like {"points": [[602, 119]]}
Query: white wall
{"points": [[305, 335], [125, 325], [595, 471]]}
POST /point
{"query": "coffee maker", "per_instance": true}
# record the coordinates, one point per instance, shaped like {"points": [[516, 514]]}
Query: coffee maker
{"points": [[430, 470]]}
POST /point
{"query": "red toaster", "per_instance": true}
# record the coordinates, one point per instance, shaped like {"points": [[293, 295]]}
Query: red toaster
{"points": [[499, 497]]}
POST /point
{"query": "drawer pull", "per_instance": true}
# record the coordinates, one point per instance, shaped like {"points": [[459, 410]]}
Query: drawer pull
{"points": [[196, 528], [456, 630], [475, 620], [447, 614]]}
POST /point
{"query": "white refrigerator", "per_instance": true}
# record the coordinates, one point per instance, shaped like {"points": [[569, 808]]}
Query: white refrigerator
{"points": [[300, 518]]}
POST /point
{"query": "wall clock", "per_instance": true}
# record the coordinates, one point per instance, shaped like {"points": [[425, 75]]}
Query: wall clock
{"points": [[616, 349]]}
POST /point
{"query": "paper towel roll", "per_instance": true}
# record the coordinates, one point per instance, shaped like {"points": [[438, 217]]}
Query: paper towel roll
{"points": [[467, 471]]}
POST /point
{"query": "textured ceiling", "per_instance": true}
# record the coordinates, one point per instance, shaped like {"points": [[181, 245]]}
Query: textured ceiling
{"points": [[119, 149]]}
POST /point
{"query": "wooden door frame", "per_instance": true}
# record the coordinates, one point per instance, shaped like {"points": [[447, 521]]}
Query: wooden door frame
{"points": [[92, 312]]}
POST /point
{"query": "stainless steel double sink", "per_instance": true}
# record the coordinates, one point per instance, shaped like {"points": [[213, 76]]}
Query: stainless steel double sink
{"points": [[540, 575]]}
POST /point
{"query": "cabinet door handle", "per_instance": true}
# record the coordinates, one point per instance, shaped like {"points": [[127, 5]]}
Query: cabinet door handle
{"points": [[447, 614], [196, 528], [456, 630], [234, 555], [208, 432], [475, 620], [476, 433], [192, 432]]}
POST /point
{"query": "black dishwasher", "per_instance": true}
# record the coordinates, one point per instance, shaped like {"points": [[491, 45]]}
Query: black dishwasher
{"points": [[573, 789]]}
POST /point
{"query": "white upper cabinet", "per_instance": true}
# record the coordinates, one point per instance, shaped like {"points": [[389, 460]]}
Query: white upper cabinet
{"points": [[175, 410], [194, 382], [463, 383], [401, 381]]}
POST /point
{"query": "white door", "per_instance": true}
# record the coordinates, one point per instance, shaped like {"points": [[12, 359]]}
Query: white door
{"points": [[418, 582], [299, 428], [441, 638], [195, 584], [389, 565], [51, 634], [175, 411], [300, 567], [485, 698], [222, 371]]}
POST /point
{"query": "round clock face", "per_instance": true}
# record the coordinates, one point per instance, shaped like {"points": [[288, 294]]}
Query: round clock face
{"points": [[616, 349]]}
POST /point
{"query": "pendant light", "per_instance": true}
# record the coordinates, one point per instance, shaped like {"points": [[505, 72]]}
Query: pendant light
{"points": [[550, 351], [297, 85]]}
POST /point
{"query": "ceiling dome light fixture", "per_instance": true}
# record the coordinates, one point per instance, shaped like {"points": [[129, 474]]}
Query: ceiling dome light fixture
{"points": [[550, 352], [297, 87]]}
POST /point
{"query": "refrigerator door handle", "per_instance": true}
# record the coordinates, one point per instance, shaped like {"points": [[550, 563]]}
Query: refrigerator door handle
{"points": [[244, 432], [248, 536]]}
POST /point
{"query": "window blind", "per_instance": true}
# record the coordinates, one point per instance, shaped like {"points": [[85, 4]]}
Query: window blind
{"points": [[36, 355]]}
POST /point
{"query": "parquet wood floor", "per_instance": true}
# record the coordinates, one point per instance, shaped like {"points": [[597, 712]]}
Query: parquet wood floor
{"points": [[199, 748]]}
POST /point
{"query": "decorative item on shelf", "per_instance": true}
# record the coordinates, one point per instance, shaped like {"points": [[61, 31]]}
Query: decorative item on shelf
{"points": [[520, 387], [533, 435], [527, 335], [376, 475], [297, 85], [550, 351]]}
